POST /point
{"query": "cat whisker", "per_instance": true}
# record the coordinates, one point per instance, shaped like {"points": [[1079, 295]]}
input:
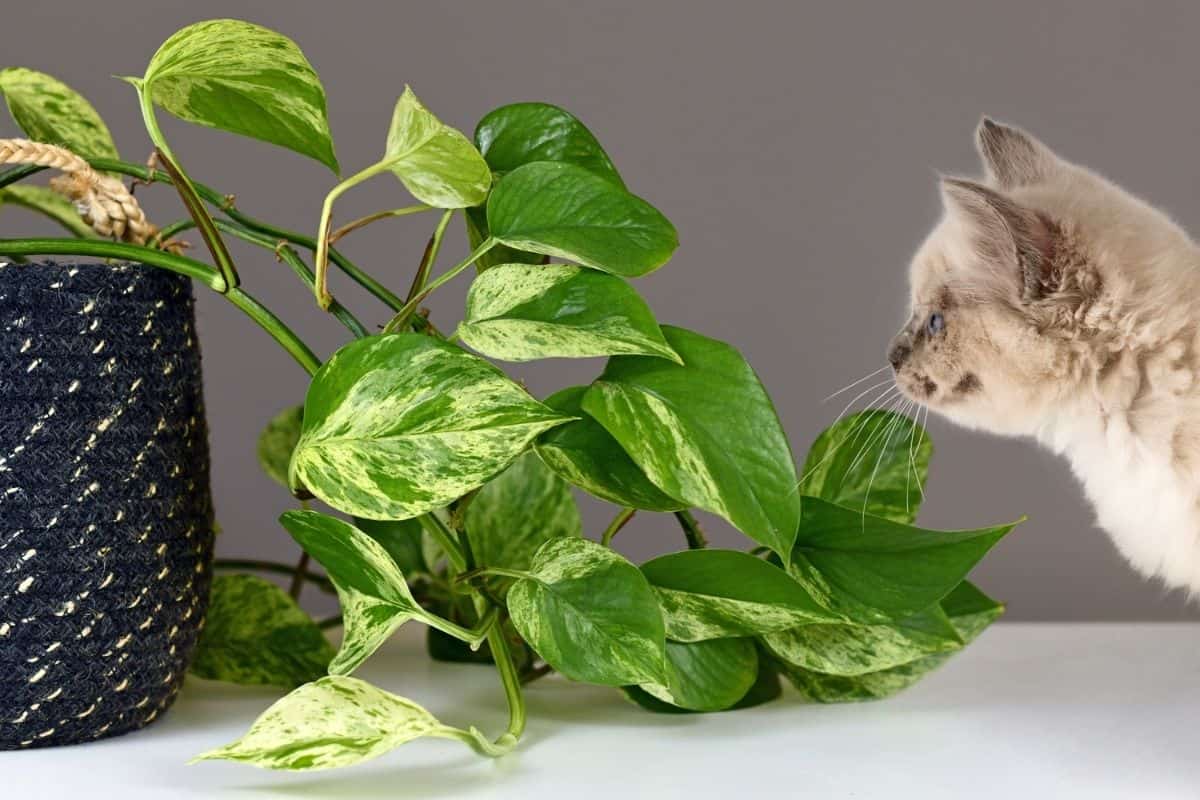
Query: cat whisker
{"points": [[883, 397], [912, 453], [891, 409], [848, 387], [893, 427]]}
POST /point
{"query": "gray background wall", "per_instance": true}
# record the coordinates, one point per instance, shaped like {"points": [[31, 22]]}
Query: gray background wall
{"points": [[794, 146]]}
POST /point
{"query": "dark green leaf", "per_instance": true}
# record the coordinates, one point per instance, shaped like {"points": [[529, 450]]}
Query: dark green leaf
{"points": [[277, 441], [245, 79], [518, 134], [435, 162], [49, 202], [970, 611], [704, 432], [766, 687], [401, 538], [51, 112], [519, 510], [711, 594], [585, 454], [590, 614], [564, 211], [875, 570], [522, 312], [255, 634], [874, 461], [707, 676], [401, 424], [374, 596], [477, 233]]}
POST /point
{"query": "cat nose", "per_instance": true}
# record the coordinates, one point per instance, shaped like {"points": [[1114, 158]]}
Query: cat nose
{"points": [[898, 353]]}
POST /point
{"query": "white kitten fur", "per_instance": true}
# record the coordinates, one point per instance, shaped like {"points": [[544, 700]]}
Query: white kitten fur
{"points": [[1071, 311]]}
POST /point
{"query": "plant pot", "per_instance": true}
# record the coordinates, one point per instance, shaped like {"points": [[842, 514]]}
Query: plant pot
{"points": [[105, 513]]}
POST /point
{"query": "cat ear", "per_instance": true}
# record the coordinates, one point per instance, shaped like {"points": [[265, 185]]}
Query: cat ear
{"points": [[1014, 243], [1011, 156]]}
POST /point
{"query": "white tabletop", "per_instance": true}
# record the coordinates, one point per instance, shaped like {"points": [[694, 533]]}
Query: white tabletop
{"points": [[1029, 711]]}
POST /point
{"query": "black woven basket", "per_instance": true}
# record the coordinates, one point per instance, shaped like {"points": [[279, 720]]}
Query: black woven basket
{"points": [[105, 511]]}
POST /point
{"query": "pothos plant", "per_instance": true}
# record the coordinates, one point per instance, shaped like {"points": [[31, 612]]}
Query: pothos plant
{"points": [[454, 485]]}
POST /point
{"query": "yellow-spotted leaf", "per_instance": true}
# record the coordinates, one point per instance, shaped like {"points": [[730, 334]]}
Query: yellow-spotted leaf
{"points": [[49, 111], [277, 441], [712, 593], [50, 203], [970, 612], [518, 511], [333, 722], [565, 211], [590, 614], [586, 455], [522, 312], [435, 162], [245, 79], [400, 424], [705, 432], [372, 591], [255, 634]]}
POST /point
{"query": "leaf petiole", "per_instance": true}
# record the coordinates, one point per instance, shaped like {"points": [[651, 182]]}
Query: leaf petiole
{"points": [[474, 637], [445, 277], [615, 526], [321, 263], [362, 222]]}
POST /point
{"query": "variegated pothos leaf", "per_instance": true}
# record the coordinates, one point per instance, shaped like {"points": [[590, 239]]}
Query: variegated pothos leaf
{"points": [[401, 424], [49, 111], [435, 162]]}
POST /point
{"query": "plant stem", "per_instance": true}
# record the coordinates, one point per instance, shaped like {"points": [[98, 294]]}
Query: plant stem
{"points": [[421, 276], [298, 576], [270, 566], [330, 622], [15, 174], [445, 538], [363, 222], [511, 682], [321, 262], [615, 526], [446, 276], [691, 530], [474, 637], [498, 571], [274, 326], [177, 227]]}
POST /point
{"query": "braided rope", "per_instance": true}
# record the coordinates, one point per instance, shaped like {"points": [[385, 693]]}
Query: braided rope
{"points": [[102, 201]]}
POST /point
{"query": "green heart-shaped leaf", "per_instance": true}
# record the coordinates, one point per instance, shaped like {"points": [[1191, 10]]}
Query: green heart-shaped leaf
{"points": [[518, 134], [277, 442], [970, 612], [403, 539], [766, 687], [245, 79], [875, 570], [564, 211], [401, 424], [586, 455], [522, 312], [875, 461], [374, 596], [841, 649], [518, 511], [50, 203], [49, 111], [711, 594], [704, 432], [590, 614], [255, 634], [333, 722], [435, 162], [707, 676]]}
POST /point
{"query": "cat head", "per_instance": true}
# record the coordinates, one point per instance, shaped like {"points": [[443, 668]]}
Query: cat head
{"points": [[1009, 291]]}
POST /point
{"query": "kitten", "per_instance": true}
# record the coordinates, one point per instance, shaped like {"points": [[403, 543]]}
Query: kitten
{"points": [[1049, 303]]}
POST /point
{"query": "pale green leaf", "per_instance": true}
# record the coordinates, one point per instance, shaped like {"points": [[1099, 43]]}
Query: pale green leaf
{"points": [[245, 79], [333, 722], [436, 163], [518, 511], [50, 203], [874, 461], [586, 455], [374, 596], [704, 432], [51, 112], [255, 634], [590, 614], [522, 312], [277, 441], [874, 570], [401, 424], [707, 676], [565, 211], [712, 593]]}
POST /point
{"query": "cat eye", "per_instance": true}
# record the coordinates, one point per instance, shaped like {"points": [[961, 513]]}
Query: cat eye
{"points": [[936, 323]]}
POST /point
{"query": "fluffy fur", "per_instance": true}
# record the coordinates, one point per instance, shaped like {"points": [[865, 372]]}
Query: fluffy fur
{"points": [[1071, 313]]}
